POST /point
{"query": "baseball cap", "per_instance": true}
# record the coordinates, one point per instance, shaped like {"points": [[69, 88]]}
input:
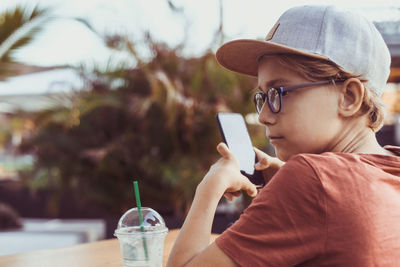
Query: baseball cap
{"points": [[326, 32]]}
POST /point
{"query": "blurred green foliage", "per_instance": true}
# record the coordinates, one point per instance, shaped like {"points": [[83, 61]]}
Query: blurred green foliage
{"points": [[19, 26], [154, 123]]}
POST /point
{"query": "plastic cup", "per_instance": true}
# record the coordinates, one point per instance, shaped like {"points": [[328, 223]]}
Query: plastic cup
{"points": [[141, 246]]}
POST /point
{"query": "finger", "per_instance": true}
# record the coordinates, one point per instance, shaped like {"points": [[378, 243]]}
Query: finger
{"points": [[252, 192], [232, 195], [261, 154], [262, 164], [266, 160], [223, 150], [250, 189], [258, 151], [228, 196], [263, 160], [237, 193]]}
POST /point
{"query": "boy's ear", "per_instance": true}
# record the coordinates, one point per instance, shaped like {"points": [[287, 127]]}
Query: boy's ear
{"points": [[351, 97]]}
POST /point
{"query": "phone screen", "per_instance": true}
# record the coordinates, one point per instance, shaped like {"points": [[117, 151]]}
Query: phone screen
{"points": [[234, 132]]}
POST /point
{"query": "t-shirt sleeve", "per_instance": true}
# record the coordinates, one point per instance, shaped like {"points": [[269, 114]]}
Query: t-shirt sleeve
{"points": [[285, 224]]}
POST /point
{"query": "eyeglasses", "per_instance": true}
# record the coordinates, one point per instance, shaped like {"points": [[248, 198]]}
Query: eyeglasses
{"points": [[274, 95]]}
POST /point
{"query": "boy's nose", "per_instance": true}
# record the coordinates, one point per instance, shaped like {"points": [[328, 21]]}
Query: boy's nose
{"points": [[266, 117]]}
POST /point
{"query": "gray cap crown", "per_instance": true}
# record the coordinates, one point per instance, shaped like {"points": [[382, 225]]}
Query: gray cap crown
{"points": [[344, 37]]}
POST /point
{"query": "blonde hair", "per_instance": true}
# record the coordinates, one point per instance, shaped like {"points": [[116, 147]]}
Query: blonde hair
{"points": [[319, 69]]}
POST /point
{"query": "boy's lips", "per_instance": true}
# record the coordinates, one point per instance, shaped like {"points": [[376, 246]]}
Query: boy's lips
{"points": [[271, 137], [274, 138]]}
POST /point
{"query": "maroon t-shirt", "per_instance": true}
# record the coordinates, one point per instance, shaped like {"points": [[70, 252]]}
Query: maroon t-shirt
{"points": [[333, 209]]}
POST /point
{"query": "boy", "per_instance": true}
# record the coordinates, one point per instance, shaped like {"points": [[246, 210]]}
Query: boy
{"points": [[336, 200]]}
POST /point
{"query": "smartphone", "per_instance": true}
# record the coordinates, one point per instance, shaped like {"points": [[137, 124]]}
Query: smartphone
{"points": [[235, 135]]}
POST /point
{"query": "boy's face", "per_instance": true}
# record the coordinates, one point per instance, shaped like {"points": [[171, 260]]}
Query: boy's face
{"points": [[308, 122]]}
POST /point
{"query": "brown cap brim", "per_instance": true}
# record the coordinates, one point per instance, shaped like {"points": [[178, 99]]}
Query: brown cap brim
{"points": [[242, 55]]}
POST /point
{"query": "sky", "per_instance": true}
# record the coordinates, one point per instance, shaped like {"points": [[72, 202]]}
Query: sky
{"points": [[66, 41]]}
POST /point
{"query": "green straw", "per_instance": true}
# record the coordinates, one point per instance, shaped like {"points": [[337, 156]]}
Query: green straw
{"points": [[139, 207]]}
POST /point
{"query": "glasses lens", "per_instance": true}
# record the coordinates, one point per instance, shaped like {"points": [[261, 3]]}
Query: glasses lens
{"points": [[274, 101], [259, 101]]}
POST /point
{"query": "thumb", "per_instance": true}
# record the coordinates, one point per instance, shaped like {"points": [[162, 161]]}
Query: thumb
{"points": [[262, 164], [265, 161], [223, 150]]}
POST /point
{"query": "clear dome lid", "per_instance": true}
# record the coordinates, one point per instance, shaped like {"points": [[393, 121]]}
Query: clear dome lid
{"points": [[152, 222]]}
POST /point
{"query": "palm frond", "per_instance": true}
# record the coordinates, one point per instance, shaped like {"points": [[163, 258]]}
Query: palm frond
{"points": [[88, 25], [18, 27], [10, 21], [26, 39]]}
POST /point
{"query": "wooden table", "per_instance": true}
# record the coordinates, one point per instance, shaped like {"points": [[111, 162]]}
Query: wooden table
{"points": [[96, 254]]}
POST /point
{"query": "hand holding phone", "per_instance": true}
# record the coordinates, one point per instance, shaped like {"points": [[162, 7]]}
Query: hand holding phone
{"points": [[235, 135]]}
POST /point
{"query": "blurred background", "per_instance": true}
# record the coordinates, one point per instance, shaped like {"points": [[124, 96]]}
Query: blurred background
{"points": [[96, 94]]}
